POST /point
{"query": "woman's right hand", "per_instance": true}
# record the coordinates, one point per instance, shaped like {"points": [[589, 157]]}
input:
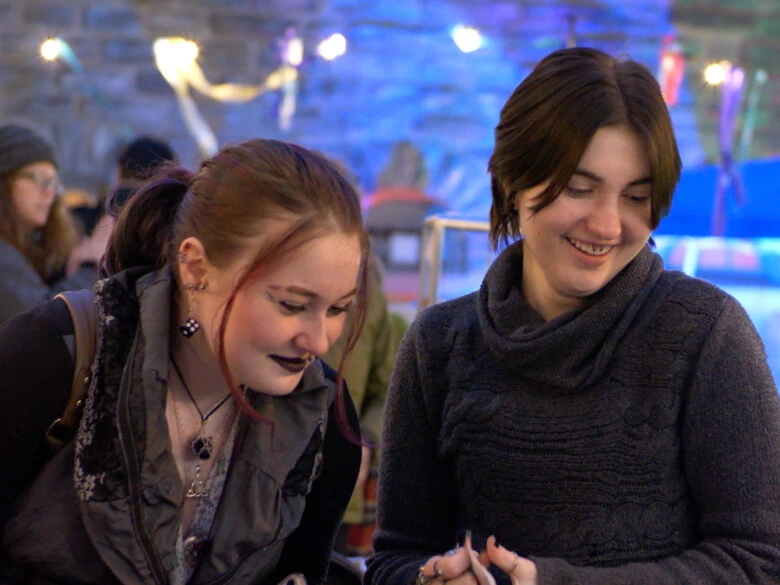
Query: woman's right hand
{"points": [[451, 568]]}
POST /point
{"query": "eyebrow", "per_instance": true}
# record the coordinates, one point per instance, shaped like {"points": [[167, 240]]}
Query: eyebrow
{"points": [[594, 177], [304, 292]]}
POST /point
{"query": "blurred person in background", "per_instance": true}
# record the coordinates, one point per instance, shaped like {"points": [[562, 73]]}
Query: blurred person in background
{"points": [[41, 252], [367, 373], [138, 162]]}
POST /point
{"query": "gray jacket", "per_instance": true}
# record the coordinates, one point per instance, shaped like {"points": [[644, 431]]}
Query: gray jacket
{"points": [[121, 522], [21, 287]]}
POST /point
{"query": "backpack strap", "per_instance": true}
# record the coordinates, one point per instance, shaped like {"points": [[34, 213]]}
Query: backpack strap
{"points": [[82, 312]]}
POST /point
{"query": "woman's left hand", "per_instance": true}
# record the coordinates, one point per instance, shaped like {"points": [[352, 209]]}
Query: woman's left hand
{"points": [[520, 570]]}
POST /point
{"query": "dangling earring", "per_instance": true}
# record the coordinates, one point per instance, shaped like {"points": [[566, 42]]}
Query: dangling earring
{"points": [[191, 326]]}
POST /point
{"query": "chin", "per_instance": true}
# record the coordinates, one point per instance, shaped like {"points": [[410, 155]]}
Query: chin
{"points": [[582, 291], [276, 387]]}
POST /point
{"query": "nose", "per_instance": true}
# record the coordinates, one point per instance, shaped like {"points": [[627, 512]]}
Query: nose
{"points": [[314, 338], [604, 220]]}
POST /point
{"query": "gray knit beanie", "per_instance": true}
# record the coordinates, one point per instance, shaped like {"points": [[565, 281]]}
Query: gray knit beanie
{"points": [[21, 146]]}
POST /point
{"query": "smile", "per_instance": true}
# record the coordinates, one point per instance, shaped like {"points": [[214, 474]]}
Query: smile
{"points": [[589, 249], [292, 365]]}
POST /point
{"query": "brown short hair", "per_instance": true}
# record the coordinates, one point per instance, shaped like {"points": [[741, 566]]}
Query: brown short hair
{"points": [[551, 117]]}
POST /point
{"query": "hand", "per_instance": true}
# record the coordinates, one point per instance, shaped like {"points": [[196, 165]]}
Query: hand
{"points": [[460, 566], [520, 570], [452, 568]]}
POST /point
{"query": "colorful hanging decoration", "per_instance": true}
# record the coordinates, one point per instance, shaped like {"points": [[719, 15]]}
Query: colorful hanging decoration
{"points": [[728, 172], [571, 34], [749, 123], [176, 59], [56, 48], [671, 69], [286, 76]]}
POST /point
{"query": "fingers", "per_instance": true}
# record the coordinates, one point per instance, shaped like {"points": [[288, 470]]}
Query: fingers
{"points": [[467, 578], [453, 568], [484, 559], [510, 562], [506, 560], [480, 572], [453, 563]]}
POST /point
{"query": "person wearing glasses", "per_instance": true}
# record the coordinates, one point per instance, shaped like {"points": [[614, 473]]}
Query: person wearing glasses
{"points": [[40, 249]]}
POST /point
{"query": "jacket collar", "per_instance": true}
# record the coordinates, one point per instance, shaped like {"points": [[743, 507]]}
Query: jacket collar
{"points": [[124, 455]]}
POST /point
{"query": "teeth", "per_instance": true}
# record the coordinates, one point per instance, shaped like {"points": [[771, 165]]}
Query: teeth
{"points": [[589, 248]]}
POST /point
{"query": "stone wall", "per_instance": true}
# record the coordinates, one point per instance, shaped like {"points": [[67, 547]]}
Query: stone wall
{"points": [[402, 77]]}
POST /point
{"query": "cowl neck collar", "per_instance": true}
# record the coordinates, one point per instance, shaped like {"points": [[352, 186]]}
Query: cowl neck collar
{"points": [[572, 350]]}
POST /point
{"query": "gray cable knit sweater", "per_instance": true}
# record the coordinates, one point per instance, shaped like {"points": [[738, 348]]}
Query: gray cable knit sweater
{"points": [[632, 441]]}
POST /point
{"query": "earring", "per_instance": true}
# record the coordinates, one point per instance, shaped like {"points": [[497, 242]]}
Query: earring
{"points": [[191, 326]]}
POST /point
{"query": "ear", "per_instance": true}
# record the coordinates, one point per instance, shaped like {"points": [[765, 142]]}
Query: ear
{"points": [[194, 264]]}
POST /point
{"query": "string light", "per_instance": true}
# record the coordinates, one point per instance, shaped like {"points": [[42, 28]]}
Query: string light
{"points": [[51, 49], [467, 38], [174, 53], [715, 73], [334, 46]]}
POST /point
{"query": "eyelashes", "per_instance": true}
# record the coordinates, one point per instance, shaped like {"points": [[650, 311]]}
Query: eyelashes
{"points": [[574, 192], [296, 308]]}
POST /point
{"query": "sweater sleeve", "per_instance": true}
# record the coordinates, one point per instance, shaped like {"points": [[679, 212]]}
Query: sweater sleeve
{"points": [[308, 549], [417, 496], [730, 435], [36, 371]]}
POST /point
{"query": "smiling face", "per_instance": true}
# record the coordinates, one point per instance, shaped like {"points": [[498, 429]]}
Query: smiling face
{"points": [[33, 190], [286, 317], [599, 223]]}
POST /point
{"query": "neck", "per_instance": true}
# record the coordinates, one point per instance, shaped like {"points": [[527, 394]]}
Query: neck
{"points": [[543, 300], [198, 365]]}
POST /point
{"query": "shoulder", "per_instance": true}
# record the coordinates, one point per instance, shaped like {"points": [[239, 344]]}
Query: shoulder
{"points": [[47, 321], [25, 339], [698, 297], [14, 261], [701, 315], [439, 332], [457, 313]]}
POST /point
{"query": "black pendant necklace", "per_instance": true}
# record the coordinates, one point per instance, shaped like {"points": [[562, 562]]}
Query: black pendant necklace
{"points": [[203, 443]]}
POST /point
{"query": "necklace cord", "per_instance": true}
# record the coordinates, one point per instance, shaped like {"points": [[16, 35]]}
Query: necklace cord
{"points": [[203, 418]]}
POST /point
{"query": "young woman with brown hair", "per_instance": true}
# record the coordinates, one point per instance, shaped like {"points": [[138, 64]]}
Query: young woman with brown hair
{"points": [[40, 252], [588, 416], [215, 446]]}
